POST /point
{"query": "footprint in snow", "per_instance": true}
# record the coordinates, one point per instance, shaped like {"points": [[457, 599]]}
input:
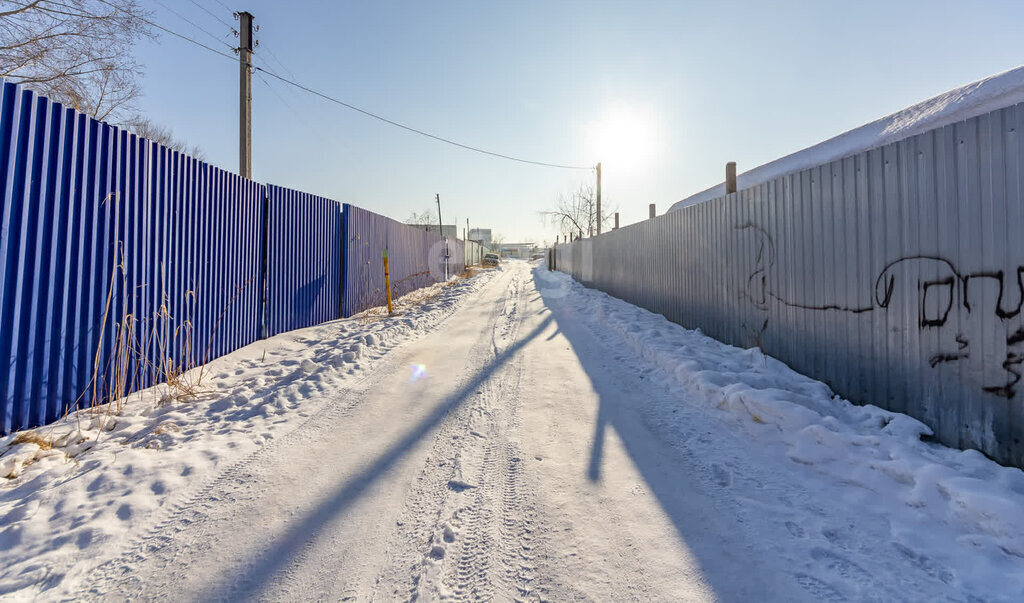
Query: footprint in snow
{"points": [[721, 475], [822, 591]]}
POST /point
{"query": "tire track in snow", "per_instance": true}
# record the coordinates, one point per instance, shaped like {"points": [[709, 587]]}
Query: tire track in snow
{"points": [[475, 536], [424, 531], [228, 486], [165, 541]]}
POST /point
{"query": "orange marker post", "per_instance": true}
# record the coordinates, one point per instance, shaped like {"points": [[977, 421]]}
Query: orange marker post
{"points": [[387, 279]]}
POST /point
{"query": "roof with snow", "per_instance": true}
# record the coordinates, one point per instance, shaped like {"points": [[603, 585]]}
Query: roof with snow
{"points": [[959, 104]]}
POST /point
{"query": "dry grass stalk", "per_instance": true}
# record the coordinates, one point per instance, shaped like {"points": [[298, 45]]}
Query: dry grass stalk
{"points": [[130, 359], [31, 437]]}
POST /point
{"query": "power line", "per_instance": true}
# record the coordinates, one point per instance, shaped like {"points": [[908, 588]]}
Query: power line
{"points": [[273, 56], [283, 101], [368, 113], [420, 132], [317, 133], [207, 11], [295, 93], [225, 6], [188, 39], [194, 24]]}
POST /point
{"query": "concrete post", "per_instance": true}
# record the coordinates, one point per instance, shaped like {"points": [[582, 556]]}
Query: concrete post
{"points": [[245, 95]]}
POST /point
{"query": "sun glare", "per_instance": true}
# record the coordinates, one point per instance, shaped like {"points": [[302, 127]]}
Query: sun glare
{"points": [[624, 139]]}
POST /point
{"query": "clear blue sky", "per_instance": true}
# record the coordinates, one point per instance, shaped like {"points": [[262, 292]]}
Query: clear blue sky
{"points": [[662, 93]]}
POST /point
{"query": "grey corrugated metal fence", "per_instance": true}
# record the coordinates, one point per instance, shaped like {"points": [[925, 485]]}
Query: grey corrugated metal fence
{"points": [[474, 253], [895, 275]]}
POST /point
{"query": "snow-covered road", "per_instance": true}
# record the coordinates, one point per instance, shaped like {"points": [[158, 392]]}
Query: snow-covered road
{"points": [[548, 442], [473, 477]]}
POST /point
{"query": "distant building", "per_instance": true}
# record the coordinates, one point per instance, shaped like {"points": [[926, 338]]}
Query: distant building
{"points": [[483, 235], [450, 230], [522, 251]]}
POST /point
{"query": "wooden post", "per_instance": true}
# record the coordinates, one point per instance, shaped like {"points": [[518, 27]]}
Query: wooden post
{"points": [[616, 221], [730, 177], [387, 280], [653, 212]]}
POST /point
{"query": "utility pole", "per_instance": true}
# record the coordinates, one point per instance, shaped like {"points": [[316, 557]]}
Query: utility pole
{"points": [[245, 95], [440, 224], [440, 229], [599, 198]]}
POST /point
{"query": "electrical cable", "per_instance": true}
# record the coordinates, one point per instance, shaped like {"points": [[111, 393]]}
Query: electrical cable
{"points": [[188, 39], [368, 113], [193, 24], [273, 56], [207, 11], [298, 115], [225, 6], [420, 132]]}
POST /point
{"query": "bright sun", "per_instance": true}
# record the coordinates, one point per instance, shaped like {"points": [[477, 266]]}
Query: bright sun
{"points": [[624, 139]]}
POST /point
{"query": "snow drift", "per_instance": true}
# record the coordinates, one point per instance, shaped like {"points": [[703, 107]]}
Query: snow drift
{"points": [[977, 98]]}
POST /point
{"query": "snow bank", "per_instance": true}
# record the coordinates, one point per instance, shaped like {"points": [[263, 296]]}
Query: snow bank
{"points": [[983, 96], [73, 493], [977, 502]]}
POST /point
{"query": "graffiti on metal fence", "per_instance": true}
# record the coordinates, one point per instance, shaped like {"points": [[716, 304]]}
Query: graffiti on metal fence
{"points": [[949, 301]]}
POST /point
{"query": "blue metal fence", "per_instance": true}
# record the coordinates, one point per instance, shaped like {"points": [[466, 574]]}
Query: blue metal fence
{"points": [[122, 261], [115, 255], [416, 258], [303, 259]]}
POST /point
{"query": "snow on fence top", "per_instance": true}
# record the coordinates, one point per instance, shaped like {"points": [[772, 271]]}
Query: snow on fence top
{"points": [[977, 98]]}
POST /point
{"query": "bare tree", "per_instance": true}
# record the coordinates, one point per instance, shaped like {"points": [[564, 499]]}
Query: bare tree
{"points": [[576, 213], [144, 127], [425, 218], [77, 52]]}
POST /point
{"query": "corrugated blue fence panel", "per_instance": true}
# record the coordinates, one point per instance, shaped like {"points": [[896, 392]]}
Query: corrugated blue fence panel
{"points": [[303, 259], [895, 275], [415, 258], [197, 255], [364, 235], [115, 253], [120, 258]]}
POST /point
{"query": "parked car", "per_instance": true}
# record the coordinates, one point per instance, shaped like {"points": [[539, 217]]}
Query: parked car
{"points": [[491, 259]]}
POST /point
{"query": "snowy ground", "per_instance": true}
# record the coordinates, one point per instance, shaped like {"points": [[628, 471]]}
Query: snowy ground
{"points": [[515, 437]]}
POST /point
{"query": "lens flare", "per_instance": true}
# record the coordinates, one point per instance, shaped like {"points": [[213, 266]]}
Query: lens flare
{"points": [[419, 371]]}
